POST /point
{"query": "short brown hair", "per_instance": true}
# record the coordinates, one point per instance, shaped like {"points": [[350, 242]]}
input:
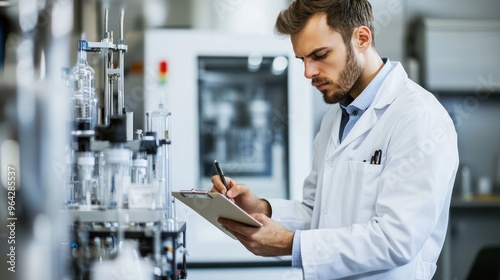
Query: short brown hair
{"points": [[343, 16]]}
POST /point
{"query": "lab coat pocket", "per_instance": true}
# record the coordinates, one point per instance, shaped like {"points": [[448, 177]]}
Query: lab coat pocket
{"points": [[362, 190]]}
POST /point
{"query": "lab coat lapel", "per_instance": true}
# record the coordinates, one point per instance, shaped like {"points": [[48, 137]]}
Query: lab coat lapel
{"points": [[364, 124], [334, 134], [385, 96]]}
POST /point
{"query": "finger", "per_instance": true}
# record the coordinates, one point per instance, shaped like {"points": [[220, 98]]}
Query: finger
{"points": [[240, 228], [226, 223], [262, 218], [243, 239], [218, 186], [235, 189]]}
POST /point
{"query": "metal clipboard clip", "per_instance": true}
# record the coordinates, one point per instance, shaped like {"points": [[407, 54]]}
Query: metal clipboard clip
{"points": [[194, 193]]}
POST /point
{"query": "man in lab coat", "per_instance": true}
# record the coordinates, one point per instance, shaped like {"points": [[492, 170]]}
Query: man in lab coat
{"points": [[376, 202]]}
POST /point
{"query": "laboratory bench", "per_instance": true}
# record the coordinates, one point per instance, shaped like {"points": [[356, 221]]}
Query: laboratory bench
{"points": [[474, 224], [490, 201]]}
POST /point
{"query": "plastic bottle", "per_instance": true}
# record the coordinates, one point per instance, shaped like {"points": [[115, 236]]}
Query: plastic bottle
{"points": [[84, 102]]}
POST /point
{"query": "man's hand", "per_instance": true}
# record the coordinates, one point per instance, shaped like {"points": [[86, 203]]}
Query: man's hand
{"points": [[272, 239], [242, 196]]}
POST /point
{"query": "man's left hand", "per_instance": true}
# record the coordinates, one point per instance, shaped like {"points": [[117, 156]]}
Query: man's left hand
{"points": [[272, 239]]}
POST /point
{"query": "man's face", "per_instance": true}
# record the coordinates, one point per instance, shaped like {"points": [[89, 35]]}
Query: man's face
{"points": [[328, 62]]}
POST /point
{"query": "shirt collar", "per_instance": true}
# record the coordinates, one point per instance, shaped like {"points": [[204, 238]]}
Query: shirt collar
{"points": [[365, 99]]}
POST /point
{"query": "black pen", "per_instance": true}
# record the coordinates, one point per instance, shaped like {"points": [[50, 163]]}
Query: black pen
{"points": [[379, 157], [221, 175]]}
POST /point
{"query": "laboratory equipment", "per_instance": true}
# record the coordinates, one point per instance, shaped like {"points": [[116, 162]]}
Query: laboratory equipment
{"points": [[118, 176], [119, 187], [160, 125], [83, 184], [84, 102], [126, 266], [87, 191], [80, 83], [140, 168]]}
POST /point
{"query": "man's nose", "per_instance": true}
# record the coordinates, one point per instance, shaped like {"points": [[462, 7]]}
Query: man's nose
{"points": [[310, 69]]}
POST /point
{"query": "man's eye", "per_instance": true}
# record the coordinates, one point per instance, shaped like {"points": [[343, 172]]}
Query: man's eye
{"points": [[320, 56]]}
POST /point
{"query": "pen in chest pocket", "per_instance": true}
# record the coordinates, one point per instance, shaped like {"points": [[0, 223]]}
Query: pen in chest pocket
{"points": [[376, 158]]}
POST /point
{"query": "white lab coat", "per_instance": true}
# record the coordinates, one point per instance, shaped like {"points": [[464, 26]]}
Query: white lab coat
{"points": [[387, 221]]}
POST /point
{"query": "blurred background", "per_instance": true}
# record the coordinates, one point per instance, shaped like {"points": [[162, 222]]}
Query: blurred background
{"points": [[234, 93]]}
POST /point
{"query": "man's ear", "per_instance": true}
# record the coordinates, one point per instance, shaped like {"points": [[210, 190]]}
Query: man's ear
{"points": [[362, 38]]}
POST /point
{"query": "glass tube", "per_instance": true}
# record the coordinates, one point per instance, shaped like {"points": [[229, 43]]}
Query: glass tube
{"points": [[118, 176], [86, 163], [71, 179], [160, 123], [140, 169]]}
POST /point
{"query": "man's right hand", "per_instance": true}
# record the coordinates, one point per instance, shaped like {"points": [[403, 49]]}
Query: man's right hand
{"points": [[242, 196]]}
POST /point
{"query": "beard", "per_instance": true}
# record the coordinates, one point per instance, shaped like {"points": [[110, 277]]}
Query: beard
{"points": [[348, 78]]}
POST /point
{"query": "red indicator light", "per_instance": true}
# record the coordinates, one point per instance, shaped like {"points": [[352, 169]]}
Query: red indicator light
{"points": [[163, 69]]}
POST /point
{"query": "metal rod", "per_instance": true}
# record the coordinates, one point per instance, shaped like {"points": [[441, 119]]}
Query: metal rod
{"points": [[110, 78], [111, 96], [106, 20], [121, 27], [172, 218], [121, 84], [107, 92], [107, 95], [121, 66]]}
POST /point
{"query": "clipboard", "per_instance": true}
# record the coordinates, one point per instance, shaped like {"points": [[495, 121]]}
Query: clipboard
{"points": [[213, 205]]}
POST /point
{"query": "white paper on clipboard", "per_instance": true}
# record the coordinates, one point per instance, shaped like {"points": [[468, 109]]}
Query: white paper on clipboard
{"points": [[213, 205]]}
